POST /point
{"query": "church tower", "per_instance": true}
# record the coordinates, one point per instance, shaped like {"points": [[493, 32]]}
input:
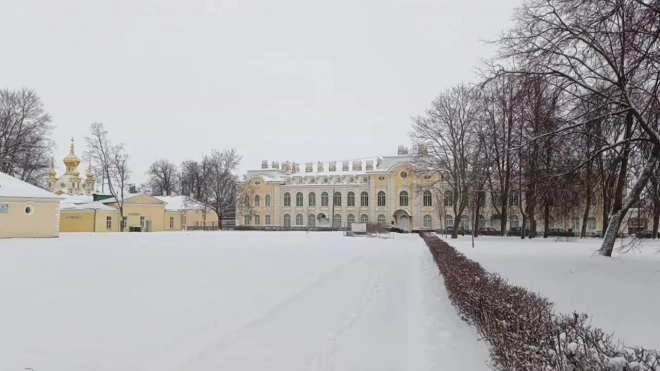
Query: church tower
{"points": [[70, 182]]}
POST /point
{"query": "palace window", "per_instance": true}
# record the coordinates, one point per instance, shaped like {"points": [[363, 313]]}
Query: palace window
{"points": [[337, 199], [299, 199], [381, 219], [364, 199], [364, 218], [257, 201], [428, 199], [381, 198], [403, 198], [324, 199], [267, 200], [287, 199], [312, 199], [428, 221], [350, 199]]}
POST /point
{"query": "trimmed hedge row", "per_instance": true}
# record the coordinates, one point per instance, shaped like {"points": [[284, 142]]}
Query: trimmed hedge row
{"points": [[520, 326]]}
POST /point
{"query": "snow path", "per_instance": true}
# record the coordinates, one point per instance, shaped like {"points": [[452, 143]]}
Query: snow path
{"points": [[315, 302], [375, 313]]}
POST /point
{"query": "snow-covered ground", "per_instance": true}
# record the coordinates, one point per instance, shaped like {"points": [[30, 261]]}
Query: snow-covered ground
{"points": [[621, 294], [228, 301]]}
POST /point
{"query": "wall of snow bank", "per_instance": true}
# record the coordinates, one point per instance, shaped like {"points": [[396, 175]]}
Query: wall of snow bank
{"points": [[521, 328]]}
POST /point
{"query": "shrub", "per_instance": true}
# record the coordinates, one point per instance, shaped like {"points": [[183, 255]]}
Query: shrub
{"points": [[520, 326]]}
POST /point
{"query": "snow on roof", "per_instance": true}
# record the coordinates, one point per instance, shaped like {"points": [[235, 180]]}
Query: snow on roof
{"points": [[76, 199], [96, 205], [11, 187], [126, 197], [387, 161], [178, 203]]}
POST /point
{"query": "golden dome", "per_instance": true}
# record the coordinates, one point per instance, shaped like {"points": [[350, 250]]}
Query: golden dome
{"points": [[72, 161]]}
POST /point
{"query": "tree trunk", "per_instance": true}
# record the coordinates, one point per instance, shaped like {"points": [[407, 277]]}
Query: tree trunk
{"points": [[503, 218], [656, 217], [524, 227], [585, 216], [617, 215], [475, 226], [546, 220]]}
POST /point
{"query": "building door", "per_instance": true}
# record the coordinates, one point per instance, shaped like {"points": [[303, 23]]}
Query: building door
{"points": [[404, 222]]}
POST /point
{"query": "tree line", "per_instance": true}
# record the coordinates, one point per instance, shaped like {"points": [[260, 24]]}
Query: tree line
{"points": [[565, 114], [26, 151]]}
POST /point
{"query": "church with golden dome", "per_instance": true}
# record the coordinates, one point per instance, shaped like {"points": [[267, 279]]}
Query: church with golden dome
{"points": [[71, 183]]}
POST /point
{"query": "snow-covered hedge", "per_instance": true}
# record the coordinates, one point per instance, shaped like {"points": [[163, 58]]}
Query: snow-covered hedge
{"points": [[521, 327]]}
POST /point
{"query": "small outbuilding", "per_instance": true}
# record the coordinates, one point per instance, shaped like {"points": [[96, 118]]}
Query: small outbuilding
{"points": [[27, 211]]}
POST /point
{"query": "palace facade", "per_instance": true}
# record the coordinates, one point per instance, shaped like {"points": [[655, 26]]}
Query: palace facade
{"points": [[383, 190]]}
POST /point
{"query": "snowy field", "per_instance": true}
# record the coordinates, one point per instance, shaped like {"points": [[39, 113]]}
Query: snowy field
{"points": [[232, 301], [621, 294]]}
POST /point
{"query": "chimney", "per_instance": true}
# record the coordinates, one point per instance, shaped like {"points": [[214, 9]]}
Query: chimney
{"points": [[286, 166], [295, 168], [319, 167], [357, 165], [275, 165], [264, 164], [333, 166], [370, 164], [309, 167]]}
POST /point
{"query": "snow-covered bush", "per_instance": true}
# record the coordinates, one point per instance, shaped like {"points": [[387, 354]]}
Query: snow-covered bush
{"points": [[520, 326]]}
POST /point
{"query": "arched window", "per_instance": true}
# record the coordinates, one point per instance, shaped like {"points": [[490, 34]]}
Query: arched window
{"points": [[350, 199], [465, 223], [299, 199], [246, 220], [515, 221], [551, 222], [324, 199], [336, 221], [299, 219], [449, 199], [364, 199], [381, 219], [428, 199], [311, 221], [482, 221], [381, 198], [257, 201], [364, 218], [267, 200], [337, 199], [267, 220], [257, 220], [449, 221], [403, 198], [350, 220], [428, 221], [287, 221], [321, 216], [287, 200], [312, 199], [247, 200]]}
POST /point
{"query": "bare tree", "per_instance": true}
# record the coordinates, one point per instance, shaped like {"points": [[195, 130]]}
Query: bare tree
{"points": [[163, 178], [25, 129], [113, 161], [603, 48], [222, 183], [447, 133]]}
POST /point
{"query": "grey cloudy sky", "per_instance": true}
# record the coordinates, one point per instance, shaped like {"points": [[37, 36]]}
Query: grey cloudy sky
{"points": [[297, 80]]}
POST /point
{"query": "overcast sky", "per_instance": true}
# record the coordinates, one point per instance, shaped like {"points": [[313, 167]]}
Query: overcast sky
{"points": [[296, 80]]}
